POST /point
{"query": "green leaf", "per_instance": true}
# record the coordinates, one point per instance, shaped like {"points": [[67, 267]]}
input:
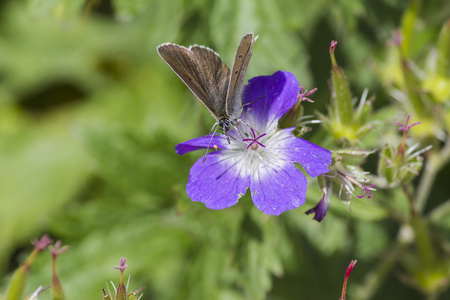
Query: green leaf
{"points": [[272, 51], [371, 239], [443, 51], [40, 173]]}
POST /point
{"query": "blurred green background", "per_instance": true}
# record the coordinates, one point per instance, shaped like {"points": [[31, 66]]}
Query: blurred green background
{"points": [[90, 116]]}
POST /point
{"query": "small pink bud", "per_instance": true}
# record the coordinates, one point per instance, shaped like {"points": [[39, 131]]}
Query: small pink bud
{"points": [[347, 274], [332, 46]]}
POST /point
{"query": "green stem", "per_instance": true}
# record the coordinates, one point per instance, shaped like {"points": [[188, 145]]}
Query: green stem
{"points": [[410, 197], [423, 241], [436, 161], [408, 21]]}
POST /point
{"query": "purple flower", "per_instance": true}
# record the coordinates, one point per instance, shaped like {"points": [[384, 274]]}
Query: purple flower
{"points": [[260, 156]]}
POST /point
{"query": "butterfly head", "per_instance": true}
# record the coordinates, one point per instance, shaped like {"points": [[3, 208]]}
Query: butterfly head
{"points": [[225, 124]]}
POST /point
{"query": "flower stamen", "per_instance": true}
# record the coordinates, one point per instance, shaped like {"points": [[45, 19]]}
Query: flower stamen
{"points": [[303, 95], [406, 127], [254, 141], [367, 190]]}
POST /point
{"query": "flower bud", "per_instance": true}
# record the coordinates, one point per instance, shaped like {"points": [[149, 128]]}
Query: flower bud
{"points": [[56, 285], [342, 100], [121, 293], [345, 123]]}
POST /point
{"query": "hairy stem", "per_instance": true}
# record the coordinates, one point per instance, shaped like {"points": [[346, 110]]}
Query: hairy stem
{"points": [[436, 161]]}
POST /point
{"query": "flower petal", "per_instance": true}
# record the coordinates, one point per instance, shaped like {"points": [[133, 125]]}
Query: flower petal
{"points": [[218, 182], [276, 190], [269, 98], [202, 142], [314, 159], [320, 210]]}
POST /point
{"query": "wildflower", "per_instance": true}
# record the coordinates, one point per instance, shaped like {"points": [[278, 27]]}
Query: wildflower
{"points": [[260, 156]]}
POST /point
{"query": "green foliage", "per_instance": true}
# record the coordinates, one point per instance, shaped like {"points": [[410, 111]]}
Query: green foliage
{"points": [[90, 116]]}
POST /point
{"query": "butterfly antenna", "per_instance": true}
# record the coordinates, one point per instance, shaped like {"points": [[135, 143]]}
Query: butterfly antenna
{"points": [[213, 130]]}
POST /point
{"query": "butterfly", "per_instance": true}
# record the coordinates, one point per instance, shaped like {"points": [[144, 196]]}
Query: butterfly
{"points": [[210, 79]]}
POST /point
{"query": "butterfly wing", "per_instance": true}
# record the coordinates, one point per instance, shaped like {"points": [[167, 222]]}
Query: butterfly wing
{"points": [[203, 72], [217, 77], [243, 55]]}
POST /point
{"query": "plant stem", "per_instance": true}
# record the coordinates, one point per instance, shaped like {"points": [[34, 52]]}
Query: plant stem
{"points": [[410, 197], [436, 161]]}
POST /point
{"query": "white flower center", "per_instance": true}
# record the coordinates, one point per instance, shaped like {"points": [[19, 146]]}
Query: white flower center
{"points": [[256, 153]]}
